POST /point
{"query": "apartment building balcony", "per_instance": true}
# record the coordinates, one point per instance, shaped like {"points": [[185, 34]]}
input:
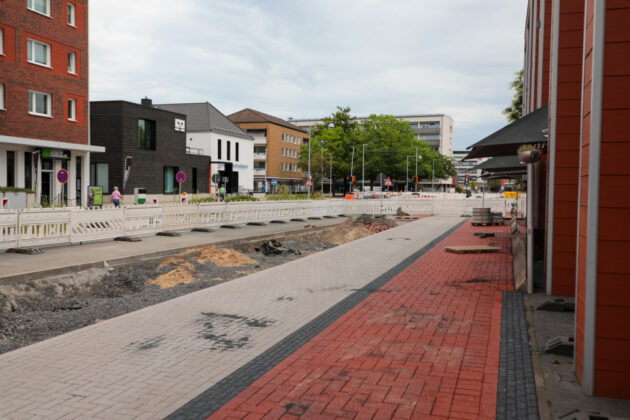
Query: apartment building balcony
{"points": [[260, 156], [260, 172], [432, 130]]}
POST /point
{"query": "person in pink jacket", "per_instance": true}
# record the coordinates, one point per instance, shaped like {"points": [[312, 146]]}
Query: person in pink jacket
{"points": [[116, 197]]}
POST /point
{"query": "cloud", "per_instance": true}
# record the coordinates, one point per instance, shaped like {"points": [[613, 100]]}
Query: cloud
{"points": [[303, 58]]}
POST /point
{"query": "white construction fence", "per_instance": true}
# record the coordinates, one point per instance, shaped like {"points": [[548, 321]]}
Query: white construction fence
{"points": [[41, 227]]}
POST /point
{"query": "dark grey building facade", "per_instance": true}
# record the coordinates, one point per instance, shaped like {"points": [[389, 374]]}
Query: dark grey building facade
{"points": [[155, 139]]}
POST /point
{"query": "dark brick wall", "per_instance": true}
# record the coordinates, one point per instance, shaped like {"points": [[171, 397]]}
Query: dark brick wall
{"points": [[19, 76], [114, 124]]}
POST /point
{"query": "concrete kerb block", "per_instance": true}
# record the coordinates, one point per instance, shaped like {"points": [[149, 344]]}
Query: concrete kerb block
{"points": [[202, 229]]}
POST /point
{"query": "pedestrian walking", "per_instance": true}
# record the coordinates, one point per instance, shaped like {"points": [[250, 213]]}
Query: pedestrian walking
{"points": [[116, 197], [222, 192]]}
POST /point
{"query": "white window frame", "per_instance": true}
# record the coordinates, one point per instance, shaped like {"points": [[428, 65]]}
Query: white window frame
{"points": [[2, 96], [72, 15], [30, 45], [72, 64], [72, 109], [30, 5], [1, 41], [31, 94]]}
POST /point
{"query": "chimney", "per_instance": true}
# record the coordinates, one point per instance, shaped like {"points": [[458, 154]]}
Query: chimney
{"points": [[146, 101]]}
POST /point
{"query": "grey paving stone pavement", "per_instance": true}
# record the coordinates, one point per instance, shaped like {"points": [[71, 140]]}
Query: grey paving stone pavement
{"points": [[148, 363], [516, 391]]}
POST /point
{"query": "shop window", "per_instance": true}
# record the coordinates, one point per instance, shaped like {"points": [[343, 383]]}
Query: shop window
{"points": [[28, 170], [146, 134], [170, 182], [99, 176], [10, 168]]}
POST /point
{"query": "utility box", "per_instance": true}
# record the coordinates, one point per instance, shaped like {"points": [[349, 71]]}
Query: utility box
{"points": [[139, 195], [95, 196]]}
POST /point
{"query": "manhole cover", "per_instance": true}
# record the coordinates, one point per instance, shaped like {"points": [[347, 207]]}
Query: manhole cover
{"points": [[398, 239]]}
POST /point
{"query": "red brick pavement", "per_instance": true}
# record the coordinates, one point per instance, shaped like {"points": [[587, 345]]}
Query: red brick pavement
{"points": [[426, 345]]}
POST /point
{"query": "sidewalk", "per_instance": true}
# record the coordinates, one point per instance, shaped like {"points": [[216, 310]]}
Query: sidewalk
{"points": [[424, 345], [150, 363], [70, 258]]}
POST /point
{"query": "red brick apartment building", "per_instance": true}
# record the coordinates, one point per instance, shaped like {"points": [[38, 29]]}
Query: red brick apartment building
{"points": [[44, 98], [577, 71]]}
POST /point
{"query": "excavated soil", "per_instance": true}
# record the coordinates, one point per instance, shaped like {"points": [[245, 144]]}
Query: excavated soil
{"points": [[34, 310]]}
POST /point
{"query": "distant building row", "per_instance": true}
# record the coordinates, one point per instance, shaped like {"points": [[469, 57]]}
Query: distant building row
{"points": [[47, 124]]}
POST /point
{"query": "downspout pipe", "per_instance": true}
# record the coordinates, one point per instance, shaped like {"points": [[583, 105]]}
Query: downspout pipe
{"points": [[530, 228]]}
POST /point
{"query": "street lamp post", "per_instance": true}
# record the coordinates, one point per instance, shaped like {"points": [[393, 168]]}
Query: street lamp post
{"points": [[363, 170], [330, 177], [310, 139], [416, 168], [407, 179], [433, 176]]}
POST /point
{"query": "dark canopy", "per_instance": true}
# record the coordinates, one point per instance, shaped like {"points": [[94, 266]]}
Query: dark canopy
{"points": [[530, 129], [503, 163]]}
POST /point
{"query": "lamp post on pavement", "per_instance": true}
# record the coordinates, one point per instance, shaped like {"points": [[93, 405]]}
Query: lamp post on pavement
{"points": [[407, 179], [310, 139], [433, 176], [363, 170]]}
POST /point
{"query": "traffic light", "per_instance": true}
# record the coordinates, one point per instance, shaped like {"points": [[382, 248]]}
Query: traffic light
{"points": [[416, 179], [352, 179]]}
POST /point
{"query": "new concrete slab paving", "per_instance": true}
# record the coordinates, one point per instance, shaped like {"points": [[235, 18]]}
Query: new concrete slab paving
{"points": [[148, 363]]}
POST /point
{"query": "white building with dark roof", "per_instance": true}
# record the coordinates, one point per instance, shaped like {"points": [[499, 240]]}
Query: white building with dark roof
{"points": [[209, 132]]}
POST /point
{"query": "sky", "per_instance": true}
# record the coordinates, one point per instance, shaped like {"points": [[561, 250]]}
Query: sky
{"points": [[302, 59]]}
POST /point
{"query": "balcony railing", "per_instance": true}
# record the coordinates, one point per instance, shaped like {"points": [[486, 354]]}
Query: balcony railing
{"points": [[260, 156], [194, 151]]}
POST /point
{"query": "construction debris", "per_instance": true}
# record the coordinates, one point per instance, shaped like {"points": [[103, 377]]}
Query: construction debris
{"points": [[274, 247]]}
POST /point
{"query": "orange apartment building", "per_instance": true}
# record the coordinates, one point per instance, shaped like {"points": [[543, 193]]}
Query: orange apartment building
{"points": [[277, 146]]}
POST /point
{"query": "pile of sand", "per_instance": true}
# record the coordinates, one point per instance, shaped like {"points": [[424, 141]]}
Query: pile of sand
{"points": [[182, 274], [223, 257], [347, 231]]}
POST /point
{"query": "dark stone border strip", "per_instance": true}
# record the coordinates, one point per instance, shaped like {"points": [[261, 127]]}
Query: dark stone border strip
{"points": [[215, 397], [516, 391]]}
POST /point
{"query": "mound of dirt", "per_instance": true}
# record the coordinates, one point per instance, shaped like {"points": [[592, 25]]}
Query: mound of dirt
{"points": [[182, 274], [348, 231], [223, 257], [358, 228]]}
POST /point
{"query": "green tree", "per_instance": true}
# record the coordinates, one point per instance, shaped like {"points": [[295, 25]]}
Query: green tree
{"points": [[388, 142], [515, 110]]}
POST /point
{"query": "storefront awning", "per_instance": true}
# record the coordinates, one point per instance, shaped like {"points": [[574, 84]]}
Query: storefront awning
{"points": [[530, 129], [501, 163], [50, 144]]}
